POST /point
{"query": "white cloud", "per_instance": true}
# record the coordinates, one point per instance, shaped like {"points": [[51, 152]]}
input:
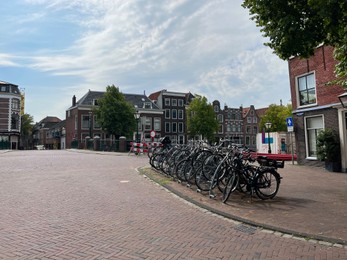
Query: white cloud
{"points": [[208, 46]]}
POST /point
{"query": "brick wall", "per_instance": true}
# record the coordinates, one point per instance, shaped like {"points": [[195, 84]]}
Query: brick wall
{"points": [[330, 121], [323, 64]]}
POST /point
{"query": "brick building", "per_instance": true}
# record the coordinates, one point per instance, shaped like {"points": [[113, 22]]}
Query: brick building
{"points": [[49, 133], [81, 124], [174, 107], [239, 125], [316, 106], [10, 109]]}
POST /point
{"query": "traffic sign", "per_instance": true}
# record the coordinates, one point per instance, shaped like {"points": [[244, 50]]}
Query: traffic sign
{"points": [[152, 134], [290, 124]]}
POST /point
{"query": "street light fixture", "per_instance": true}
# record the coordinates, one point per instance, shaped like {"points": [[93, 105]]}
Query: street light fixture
{"points": [[137, 117], [268, 126], [343, 99]]}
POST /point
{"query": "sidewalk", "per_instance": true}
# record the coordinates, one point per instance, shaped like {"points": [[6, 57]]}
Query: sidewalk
{"points": [[311, 203]]}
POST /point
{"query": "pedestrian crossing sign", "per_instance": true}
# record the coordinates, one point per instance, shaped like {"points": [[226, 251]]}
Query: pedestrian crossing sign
{"points": [[290, 124]]}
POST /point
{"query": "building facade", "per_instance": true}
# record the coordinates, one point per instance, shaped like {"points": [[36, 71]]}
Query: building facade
{"points": [[10, 112], [49, 133], [82, 125], [174, 106], [316, 105]]}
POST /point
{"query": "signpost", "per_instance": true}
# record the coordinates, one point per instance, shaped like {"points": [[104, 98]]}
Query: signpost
{"points": [[290, 129]]}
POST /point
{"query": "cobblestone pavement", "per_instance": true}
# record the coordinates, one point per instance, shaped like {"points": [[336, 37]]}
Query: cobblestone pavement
{"points": [[72, 205]]}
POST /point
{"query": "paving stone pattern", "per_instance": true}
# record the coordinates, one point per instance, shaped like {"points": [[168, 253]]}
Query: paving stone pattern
{"points": [[72, 205]]}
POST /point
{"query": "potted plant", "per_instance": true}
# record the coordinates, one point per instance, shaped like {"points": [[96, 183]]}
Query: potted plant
{"points": [[328, 149]]}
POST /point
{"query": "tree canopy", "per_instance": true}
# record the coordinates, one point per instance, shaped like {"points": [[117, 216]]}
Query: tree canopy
{"points": [[201, 118], [276, 115], [297, 27], [114, 114]]}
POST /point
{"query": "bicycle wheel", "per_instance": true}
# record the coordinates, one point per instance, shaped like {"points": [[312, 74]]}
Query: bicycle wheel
{"points": [[181, 169], [233, 179], [210, 165], [202, 183], [266, 184]]}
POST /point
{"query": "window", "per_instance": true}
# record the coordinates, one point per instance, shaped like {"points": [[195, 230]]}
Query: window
{"points": [[157, 124], [248, 129], [174, 127], [167, 127], [174, 113], [313, 126], [220, 118], [216, 108], [180, 114], [174, 102], [306, 89], [228, 127], [181, 139], [180, 128], [220, 130], [167, 102], [147, 105], [255, 129], [85, 122], [148, 123], [15, 103], [76, 122], [15, 122], [96, 125], [95, 102], [255, 119], [247, 140], [249, 120], [180, 103], [4, 89], [167, 113]]}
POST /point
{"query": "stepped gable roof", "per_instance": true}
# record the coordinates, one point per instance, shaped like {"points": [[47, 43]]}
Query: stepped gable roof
{"points": [[135, 99]]}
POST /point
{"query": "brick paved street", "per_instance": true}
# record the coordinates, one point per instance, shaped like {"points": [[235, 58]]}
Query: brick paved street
{"points": [[71, 205]]}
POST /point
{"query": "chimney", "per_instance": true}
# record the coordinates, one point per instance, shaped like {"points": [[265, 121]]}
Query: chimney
{"points": [[74, 100]]}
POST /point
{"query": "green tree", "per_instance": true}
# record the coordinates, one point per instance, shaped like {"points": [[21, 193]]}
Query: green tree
{"points": [[201, 119], [276, 115], [27, 123], [114, 114], [297, 27]]}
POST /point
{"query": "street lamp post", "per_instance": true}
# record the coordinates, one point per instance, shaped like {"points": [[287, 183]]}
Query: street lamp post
{"points": [[137, 117], [268, 126]]}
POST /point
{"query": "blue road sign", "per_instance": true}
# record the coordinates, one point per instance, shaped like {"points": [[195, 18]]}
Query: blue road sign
{"points": [[289, 121], [290, 125]]}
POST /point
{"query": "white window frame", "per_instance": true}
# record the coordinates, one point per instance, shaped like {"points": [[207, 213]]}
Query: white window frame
{"points": [[174, 102], [180, 103], [298, 100], [174, 113], [157, 124], [83, 117], [306, 134], [167, 101], [167, 127], [180, 113], [180, 127], [167, 114]]}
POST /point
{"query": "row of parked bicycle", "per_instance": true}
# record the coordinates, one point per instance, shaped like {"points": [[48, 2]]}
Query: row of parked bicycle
{"points": [[227, 169]]}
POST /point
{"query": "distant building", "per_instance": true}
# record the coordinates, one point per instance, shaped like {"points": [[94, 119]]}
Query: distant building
{"points": [[174, 106], [10, 109], [48, 133], [81, 124]]}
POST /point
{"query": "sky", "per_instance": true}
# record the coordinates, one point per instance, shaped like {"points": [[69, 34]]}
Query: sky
{"points": [[54, 49]]}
